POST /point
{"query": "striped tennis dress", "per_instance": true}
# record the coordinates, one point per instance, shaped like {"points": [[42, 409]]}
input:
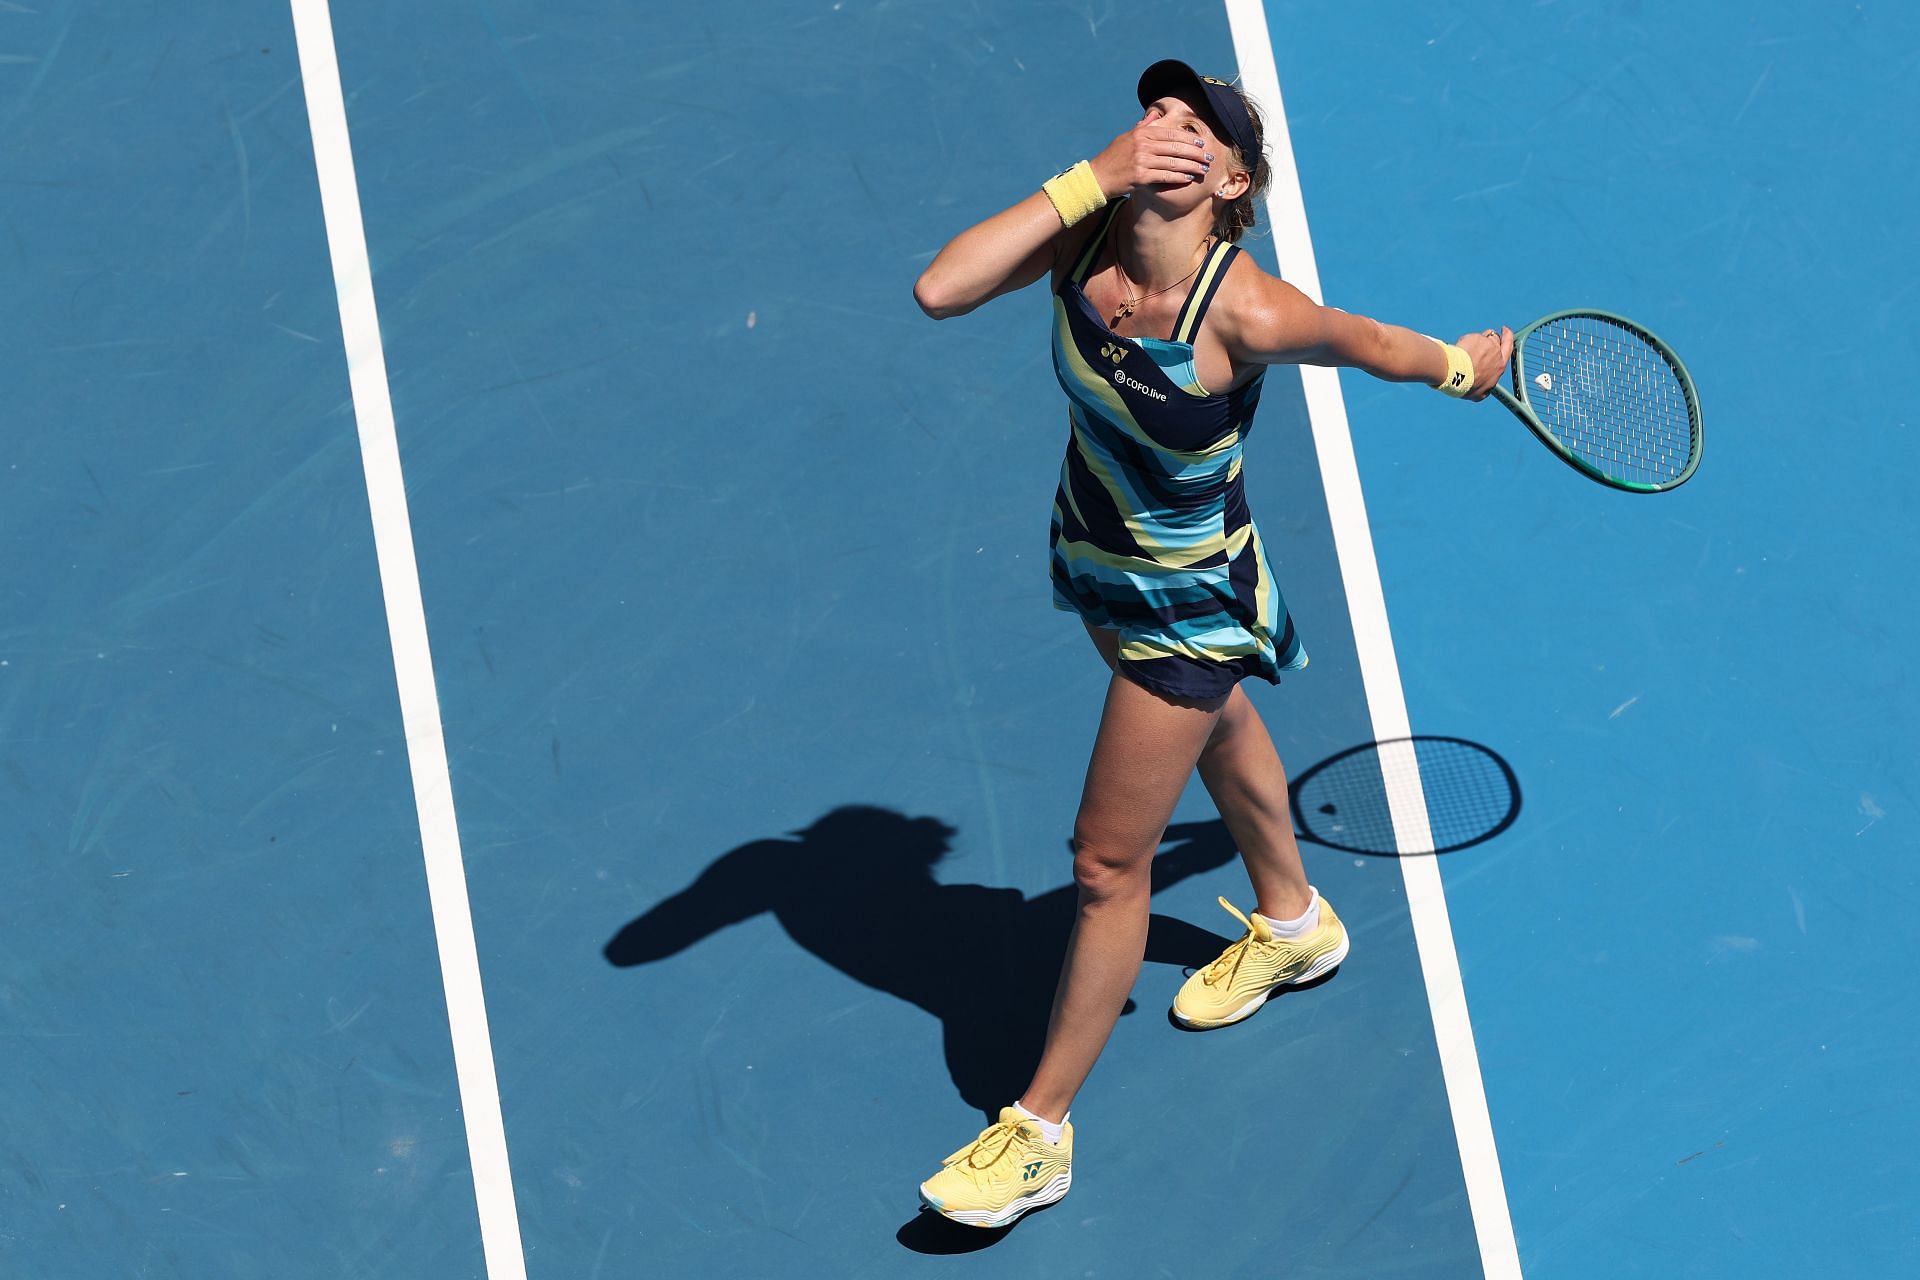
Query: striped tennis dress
{"points": [[1151, 533]]}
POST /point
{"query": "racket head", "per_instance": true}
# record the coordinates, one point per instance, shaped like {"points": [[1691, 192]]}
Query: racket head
{"points": [[1345, 801], [1609, 398]]}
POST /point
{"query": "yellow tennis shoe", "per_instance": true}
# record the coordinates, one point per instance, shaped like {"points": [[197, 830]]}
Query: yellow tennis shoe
{"points": [[1252, 969], [1009, 1169]]}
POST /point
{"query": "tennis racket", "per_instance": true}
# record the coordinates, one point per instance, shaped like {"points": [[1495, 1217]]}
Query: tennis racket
{"points": [[1611, 400]]}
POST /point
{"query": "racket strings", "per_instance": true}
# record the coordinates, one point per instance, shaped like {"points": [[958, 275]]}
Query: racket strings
{"points": [[1612, 397]]}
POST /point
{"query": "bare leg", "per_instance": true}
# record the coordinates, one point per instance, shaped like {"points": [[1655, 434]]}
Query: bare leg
{"points": [[1243, 774], [1142, 759], [1248, 784]]}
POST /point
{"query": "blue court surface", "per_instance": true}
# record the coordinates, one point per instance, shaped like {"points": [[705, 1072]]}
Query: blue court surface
{"points": [[763, 738]]}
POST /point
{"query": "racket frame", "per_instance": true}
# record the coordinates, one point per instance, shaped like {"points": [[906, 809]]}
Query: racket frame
{"points": [[1516, 400]]}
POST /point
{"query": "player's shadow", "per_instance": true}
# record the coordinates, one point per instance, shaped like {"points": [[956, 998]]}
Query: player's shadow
{"points": [[857, 890]]}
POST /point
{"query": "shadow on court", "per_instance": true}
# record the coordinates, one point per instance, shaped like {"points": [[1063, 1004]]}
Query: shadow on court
{"points": [[1470, 794], [856, 889]]}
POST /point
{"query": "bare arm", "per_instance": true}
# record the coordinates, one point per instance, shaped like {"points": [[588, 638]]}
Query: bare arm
{"points": [[1008, 251], [1274, 323], [1016, 246]]}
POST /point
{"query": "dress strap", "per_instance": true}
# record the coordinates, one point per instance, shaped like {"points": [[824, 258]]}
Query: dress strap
{"points": [[1201, 296], [1099, 238]]}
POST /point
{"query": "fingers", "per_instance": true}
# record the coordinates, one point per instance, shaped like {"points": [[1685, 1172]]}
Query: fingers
{"points": [[1152, 154], [1161, 133], [1163, 155], [1490, 350], [1170, 174]]}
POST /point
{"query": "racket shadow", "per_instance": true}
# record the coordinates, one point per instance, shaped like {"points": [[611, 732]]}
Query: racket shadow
{"points": [[1465, 793]]}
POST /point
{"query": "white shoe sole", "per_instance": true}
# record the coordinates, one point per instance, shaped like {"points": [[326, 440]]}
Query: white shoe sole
{"points": [[1055, 1189], [1325, 964]]}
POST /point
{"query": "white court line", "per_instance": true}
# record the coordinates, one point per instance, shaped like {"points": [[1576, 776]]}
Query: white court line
{"points": [[1380, 672], [407, 630]]}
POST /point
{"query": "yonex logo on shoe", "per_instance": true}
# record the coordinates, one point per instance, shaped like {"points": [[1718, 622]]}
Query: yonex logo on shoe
{"points": [[1032, 1171]]}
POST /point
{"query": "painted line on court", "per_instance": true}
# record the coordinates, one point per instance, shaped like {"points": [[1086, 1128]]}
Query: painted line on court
{"points": [[1380, 673], [407, 630]]}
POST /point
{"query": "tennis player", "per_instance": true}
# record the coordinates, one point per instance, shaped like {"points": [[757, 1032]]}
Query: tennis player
{"points": [[1162, 330]]}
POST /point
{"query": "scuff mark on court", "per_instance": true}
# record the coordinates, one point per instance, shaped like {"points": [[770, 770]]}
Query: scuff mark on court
{"points": [[1871, 811]]}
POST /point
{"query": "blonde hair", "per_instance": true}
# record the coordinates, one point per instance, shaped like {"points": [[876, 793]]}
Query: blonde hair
{"points": [[1239, 217]]}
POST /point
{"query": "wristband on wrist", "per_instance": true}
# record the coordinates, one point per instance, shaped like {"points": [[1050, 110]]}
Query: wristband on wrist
{"points": [[1075, 193], [1459, 379]]}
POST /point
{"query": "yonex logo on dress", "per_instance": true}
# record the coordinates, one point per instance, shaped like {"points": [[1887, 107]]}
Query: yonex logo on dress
{"points": [[1120, 376], [1114, 351]]}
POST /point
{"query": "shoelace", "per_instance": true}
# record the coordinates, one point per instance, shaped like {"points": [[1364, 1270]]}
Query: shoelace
{"points": [[1229, 962], [1005, 1134]]}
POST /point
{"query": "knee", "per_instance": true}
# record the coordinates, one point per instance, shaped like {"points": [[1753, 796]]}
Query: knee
{"points": [[1105, 869]]}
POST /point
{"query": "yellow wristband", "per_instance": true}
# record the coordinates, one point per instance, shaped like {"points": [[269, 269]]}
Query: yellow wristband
{"points": [[1459, 379], [1075, 193]]}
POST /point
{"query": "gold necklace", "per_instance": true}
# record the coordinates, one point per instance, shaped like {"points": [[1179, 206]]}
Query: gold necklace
{"points": [[1128, 306]]}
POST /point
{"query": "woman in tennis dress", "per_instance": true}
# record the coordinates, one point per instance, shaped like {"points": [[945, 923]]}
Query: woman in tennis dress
{"points": [[1162, 330]]}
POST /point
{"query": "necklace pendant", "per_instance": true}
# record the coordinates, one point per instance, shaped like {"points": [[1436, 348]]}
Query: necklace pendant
{"points": [[1126, 309]]}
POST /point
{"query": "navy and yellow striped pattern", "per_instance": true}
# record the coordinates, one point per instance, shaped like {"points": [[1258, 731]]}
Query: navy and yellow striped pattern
{"points": [[1151, 533]]}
